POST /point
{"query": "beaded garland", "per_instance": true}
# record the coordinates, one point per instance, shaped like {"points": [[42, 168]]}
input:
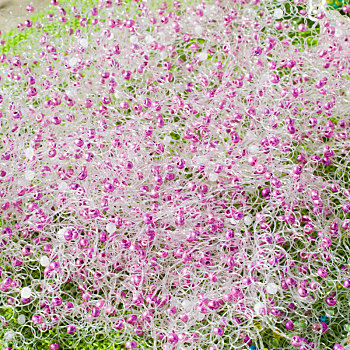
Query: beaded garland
{"points": [[175, 175]]}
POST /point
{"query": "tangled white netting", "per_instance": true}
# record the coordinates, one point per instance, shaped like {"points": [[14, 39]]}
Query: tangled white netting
{"points": [[176, 175]]}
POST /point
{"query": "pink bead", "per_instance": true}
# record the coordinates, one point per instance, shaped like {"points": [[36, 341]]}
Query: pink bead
{"points": [[173, 338], [71, 329], [131, 344], [218, 331], [289, 325]]}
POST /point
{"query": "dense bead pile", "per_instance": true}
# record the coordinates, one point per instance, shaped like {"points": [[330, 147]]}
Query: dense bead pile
{"points": [[176, 176]]}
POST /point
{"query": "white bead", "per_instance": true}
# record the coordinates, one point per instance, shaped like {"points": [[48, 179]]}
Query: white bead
{"points": [[257, 307], [29, 175], [210, 10], [167, 139], [26, 292], [44, 261], [180, 87], [62, 186], [149, 39], [162, 36], [278, 13], [248, 220], [9, 335], [202, 56], [163, 55], [272, 288], [84, 42], [187, 305], [201, 160], [21, 319], [253, 149], [250, 135], [29, 152], [199, 316], [110, 227], [338, 32], [198, 30], [134, 39], [73, 61], [213, 176], [60, 233]]}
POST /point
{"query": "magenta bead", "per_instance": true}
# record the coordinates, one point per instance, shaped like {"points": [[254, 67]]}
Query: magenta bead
{"points": [[324, 327], [303, 292], [37, 319], [71, 329], [131, 344], [173, 338], [289, 325], [331, 301], [295, 341], [218, 331]]}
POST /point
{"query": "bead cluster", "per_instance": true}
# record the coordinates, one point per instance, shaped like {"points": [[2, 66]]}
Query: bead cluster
{"points": [[176, 176]]}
